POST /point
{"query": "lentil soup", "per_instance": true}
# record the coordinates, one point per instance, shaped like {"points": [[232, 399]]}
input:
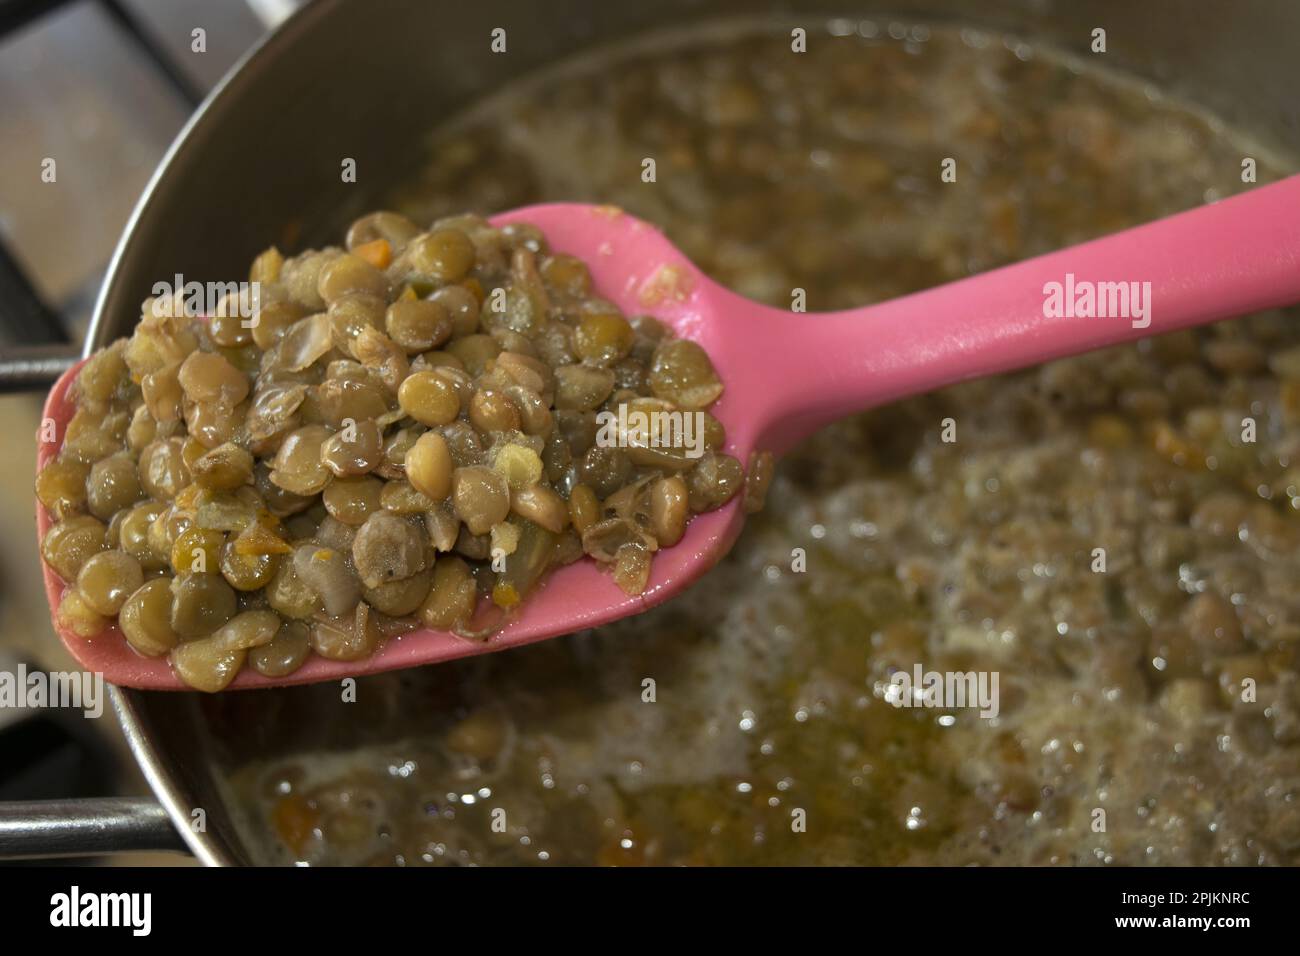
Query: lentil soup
{"points": [[435, 421], [702, 731]]}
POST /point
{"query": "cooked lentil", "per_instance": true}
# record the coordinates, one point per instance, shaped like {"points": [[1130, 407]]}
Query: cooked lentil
{"points": [[374, 394]]}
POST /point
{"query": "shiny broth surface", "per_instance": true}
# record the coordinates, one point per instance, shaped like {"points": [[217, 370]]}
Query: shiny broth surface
{"points": [[749, 722]]}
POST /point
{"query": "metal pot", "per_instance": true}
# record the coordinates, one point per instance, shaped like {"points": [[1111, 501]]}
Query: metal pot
{"points": [[349, 79]]}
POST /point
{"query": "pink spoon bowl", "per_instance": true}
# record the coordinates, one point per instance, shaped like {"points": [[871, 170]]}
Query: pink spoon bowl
{"points": [[786, 375]]}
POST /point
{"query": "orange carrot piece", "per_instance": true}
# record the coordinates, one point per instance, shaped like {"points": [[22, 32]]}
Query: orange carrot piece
{"points": [[378, 253]]}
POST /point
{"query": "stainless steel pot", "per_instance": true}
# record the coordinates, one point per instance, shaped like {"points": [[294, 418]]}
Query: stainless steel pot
{"points": [[362, 79]]}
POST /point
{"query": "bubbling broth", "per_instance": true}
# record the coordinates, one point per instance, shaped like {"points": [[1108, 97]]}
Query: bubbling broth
{"points": [[753, 720]]}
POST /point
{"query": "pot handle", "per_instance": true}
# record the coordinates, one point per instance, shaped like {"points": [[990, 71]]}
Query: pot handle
{"points": [[41, 829], [34, 368]]}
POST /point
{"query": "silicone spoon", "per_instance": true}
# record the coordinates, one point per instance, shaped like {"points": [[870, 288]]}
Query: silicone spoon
{"points": [[788, 374]]}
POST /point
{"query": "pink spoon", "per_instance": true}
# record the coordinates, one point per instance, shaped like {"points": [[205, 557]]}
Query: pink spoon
{"points": [[787, 375]]}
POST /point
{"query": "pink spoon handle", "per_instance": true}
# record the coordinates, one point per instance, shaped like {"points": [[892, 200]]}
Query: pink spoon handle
{"points": [[1225, 259]]}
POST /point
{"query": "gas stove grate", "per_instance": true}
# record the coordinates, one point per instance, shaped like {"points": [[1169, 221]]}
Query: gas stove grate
{"points": [[25, 318]]}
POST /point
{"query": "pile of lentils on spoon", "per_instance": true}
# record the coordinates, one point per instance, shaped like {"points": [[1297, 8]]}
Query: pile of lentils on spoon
{"points": [[403, 434]]}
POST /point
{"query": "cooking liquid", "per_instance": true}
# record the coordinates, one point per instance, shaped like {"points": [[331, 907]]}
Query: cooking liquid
{"points": [[748, 722]]}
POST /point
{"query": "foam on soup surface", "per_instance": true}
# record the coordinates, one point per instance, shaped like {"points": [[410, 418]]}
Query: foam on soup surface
{"points": [[751, 721]]}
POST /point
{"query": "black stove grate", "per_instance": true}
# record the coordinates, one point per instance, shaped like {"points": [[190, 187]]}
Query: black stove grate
{"points": [[25, 318]]}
